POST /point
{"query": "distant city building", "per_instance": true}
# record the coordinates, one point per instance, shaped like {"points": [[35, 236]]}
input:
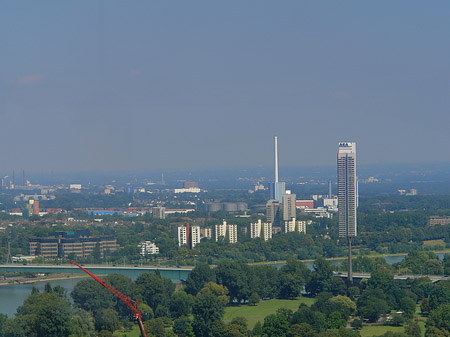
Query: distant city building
{"points": [[227, 231], [190, 184], [226, 206], [302, 204], [159, 212], [438, 220], [147, 248], [330, 204], [257, 187], [187, 190], [289, 206], [78, 243], [347, 189], [273, 210], [75, 186]]}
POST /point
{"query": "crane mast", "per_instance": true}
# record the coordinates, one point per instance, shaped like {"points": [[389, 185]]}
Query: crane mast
{"points": [[132, 304]]}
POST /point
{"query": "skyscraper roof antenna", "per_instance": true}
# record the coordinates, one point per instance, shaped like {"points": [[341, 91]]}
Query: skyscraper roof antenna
{"points": [[276, 159]]}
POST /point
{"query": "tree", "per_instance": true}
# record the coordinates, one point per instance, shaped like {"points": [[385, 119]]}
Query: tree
{"points": [[301, 330], [155, 328], [180, 304], [208, 311], [440, 319], [315, 319], [182, 327], [335, 320], [107, 319], [42, 314], [198, 277], [253, 299], [413, 329], [234, 276], [219, 291], [439, 295], [381, 278], [321, 278], [408, 306], [156, 291], [275, 325]]}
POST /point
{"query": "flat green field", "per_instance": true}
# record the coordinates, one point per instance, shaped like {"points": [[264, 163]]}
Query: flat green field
{"points": [[258, 312], [378, 330], [133, 333]]}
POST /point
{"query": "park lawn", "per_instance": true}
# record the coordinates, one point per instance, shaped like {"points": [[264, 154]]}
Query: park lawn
{"points": [[438, 242], [135, 332], [378, 330], [257, 313]]}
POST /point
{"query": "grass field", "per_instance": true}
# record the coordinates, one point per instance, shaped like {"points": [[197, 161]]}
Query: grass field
{"points": [[378, 330], [264, 308], [133, 333]]}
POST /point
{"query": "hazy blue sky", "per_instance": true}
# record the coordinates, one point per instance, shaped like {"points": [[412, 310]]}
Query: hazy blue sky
{"points": [[165, 84]]}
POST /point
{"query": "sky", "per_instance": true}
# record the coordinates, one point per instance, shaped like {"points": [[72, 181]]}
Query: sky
{"points": [[136, 85]]}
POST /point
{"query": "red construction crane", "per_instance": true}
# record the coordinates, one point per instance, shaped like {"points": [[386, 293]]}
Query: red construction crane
{"points": [[132, 304]]}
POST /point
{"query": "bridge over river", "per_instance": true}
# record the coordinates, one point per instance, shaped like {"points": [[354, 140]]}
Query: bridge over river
{"points": [[360, 276], [173, 273]]}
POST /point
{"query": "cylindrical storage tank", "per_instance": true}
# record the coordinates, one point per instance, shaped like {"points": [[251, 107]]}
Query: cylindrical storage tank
{"points": [[229, 207], [242, 206], [213, 207]]}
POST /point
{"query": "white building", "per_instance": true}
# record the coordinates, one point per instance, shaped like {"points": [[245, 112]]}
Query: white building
{"points": [[289, 225], [255, 229], [182, 235], [225, 230], [301, 226], [148, 248], [195, 236], [259, 229], [187, 190], [267, 231]]}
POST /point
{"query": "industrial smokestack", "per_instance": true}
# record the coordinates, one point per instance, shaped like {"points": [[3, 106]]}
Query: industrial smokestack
{"points": [[329, 189], [276, 159]]}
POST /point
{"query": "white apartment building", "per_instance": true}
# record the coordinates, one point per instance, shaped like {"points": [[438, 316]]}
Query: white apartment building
{"points": [[225, 229], [267, 231], [195, 236], [147, 248], [182, 235], [255, 229]]}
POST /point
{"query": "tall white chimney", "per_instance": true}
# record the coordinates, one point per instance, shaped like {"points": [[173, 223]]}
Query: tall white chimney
{"points": [[276, 159]]}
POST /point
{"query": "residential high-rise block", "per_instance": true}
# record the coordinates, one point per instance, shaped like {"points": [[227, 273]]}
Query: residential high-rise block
{"points": [[182, 235], [267, 231], [347, 196], [188, 235], [259, 229], [227, 231]]}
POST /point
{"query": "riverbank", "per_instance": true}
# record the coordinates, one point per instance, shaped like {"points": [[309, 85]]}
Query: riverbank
{"points": [[46, 278]]}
